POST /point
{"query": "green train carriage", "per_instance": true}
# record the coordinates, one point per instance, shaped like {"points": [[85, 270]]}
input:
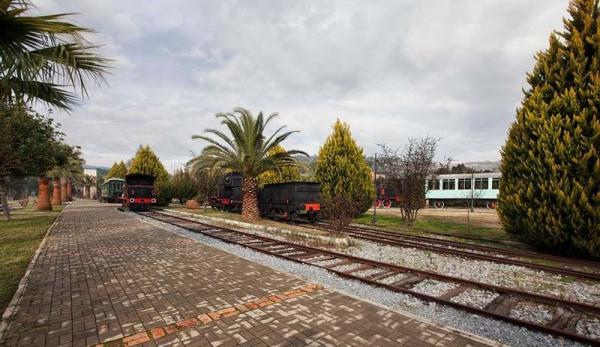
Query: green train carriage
{"points": [[112, 189]]}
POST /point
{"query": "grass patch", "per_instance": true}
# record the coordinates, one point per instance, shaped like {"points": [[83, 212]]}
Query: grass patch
{"points": [[19, 239], [434, 224]]}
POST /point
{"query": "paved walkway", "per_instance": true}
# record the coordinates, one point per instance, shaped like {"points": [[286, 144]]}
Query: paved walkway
{"points": [[103, 277]]}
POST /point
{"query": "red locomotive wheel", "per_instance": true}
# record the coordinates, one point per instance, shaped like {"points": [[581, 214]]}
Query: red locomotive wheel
{"points": [[492, 205], [377, 203], [438, 204], [387, 203]]}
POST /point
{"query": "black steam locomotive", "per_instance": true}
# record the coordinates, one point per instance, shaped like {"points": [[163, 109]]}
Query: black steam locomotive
{"points": [[289, 201], [138, 192]]}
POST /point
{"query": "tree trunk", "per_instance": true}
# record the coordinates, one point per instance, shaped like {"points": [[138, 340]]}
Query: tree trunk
{"points": [[56, 191], [69, 190], [86, 192], [3, 198], [43, 201], [250, 201], [63, 190]]}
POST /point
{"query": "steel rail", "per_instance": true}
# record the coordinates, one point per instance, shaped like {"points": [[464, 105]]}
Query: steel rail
{"points": [[566, 313], [400, 241], [482, 248]]}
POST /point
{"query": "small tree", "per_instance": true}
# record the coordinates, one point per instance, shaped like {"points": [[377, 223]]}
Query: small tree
{"points": [[28, 143], [146, 162], [88, 182], [409, 169], [340, 211], [343, 171], [183, 186], [117, 170], [550, 191], [280, 175], [207, 180]]}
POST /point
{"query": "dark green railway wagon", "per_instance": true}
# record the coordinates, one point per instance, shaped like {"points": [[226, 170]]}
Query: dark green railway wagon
{"points": [[112, 189]]}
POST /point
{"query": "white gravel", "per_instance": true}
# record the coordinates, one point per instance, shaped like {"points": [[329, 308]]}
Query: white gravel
{"points": [[367, 272], [326, 262], [506, 275], [589, 326], [482, 326], [475, 297], [392, 279], [532, 312], [433, 287], [347, 267]]}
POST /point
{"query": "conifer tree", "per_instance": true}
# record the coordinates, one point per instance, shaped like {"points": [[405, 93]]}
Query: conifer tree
{"points": [[550, 191], [342, 169], [183, 186], [146, 162], [281, 175], [117, 170]]}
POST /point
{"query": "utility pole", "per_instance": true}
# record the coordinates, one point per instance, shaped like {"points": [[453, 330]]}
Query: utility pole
{"points": [[374, 217]]}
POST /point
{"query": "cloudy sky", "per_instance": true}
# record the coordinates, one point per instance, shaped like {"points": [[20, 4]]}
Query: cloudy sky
{"points": [[451, 69]]}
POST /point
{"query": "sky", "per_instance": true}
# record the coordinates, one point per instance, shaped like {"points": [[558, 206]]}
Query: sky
{"points": [[450, 69]]}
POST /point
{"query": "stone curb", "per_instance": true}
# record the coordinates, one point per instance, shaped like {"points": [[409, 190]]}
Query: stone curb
{"points": [[12, 305], [338, 241]]}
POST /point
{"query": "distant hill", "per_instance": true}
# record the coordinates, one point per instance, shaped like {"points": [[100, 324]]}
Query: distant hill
{"points": [[484, 165]]}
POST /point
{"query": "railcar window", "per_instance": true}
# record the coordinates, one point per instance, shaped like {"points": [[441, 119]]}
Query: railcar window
{"points": [[433, 184], [448, 184], [481, 183], [464, 183], [495, 183]]}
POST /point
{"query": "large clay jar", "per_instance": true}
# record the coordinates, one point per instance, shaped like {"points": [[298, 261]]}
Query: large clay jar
{"points": [[43, 200], [192, 204], [56, 191], [69, 190], [63, 190]]}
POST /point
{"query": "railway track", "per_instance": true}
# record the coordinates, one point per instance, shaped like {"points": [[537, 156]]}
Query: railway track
{"points": [[564, 266], [567, 316]]}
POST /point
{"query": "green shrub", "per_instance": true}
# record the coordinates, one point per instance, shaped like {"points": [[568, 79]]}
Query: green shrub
{"points": [[550, 191], [343, 171]]}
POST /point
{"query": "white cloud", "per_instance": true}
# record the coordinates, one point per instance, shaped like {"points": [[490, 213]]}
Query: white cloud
{"points": [[392, 69]]}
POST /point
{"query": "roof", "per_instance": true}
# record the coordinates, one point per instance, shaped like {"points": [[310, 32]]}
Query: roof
{"points": [[114, 179]]}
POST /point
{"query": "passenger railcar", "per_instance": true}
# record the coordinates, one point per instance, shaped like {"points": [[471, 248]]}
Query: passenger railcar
{"points": [[290, 200], [138, 192], [112, 189], [460, 189]]}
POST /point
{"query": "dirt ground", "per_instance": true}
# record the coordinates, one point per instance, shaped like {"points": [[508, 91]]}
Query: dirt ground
{"points": [[480, 216]]}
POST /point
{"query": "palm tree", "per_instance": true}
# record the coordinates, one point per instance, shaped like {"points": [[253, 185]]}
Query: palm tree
{"points": [[88, 181], [40, 55], [247, 151]]}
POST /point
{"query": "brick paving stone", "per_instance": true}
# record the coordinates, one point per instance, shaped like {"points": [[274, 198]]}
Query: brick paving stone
{"points": [[103, 276]]}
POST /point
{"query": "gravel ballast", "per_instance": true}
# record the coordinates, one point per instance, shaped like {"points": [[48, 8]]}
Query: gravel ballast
{"points": [[442, 315], [498, 274]]}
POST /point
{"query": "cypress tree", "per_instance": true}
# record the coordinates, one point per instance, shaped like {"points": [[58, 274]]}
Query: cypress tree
{"points": [[117, 170], [342, 169], [284, 174], [146, 162], [550, 191]]}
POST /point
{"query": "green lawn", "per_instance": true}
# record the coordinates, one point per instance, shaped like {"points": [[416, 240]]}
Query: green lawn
{"points": [[434, 224], [19, 239]]}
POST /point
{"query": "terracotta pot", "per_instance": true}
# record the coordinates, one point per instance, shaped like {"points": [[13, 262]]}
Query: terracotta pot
{"points": [[56, 191], [192, 204], [69, 190], [43, 200], [63, 190]]}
